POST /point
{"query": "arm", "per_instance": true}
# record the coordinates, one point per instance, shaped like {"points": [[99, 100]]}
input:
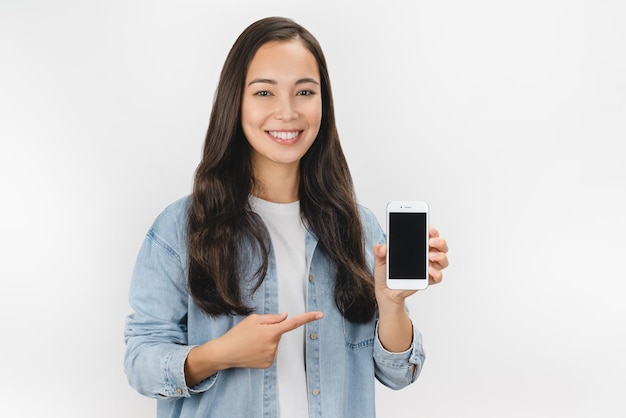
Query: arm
{"points": [[158, 361], [394, 327], [252, 343], [156, 331]]}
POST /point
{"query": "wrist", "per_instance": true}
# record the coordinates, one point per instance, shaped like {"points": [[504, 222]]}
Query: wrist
{"points": [[395, 330], [202, 362], [388, 306]]}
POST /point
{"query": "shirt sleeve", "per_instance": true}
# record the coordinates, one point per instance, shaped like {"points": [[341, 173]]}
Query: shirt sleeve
{"points": [[397, 370], [156, 331]]}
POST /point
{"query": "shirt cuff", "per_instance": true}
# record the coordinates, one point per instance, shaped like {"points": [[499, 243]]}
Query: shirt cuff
{"points": [[404, 366], [174, 371]]}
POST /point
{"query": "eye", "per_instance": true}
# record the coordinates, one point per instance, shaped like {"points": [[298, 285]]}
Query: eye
{"points": [[263, 93], [305, 93]]}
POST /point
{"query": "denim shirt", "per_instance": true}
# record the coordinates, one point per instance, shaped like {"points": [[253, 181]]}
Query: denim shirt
{"points": [[342, 357]]}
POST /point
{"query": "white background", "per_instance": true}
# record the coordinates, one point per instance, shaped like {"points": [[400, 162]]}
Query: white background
{"points": [[508, 117]]}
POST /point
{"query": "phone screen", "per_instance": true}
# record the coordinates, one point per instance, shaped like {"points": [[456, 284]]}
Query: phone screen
{"points": [[407, 245]]}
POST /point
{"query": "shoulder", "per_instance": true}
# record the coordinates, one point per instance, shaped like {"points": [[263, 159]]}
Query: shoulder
{"points": [[371, 227], [176, 213], [175, 210], [367, 215], [170, 226]]}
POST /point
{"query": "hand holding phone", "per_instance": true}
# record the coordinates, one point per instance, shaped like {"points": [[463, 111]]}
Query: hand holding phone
{"points": [[407, 245]]}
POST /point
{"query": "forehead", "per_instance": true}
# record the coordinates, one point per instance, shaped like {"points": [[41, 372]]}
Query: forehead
{"points": [[283, 59]]}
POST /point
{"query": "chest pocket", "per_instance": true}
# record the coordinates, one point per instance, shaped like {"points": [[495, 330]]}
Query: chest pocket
{"points": [[359, 336]]}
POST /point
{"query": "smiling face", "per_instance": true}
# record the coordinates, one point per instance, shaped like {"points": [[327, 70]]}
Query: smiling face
{"points": [[281, 109]]}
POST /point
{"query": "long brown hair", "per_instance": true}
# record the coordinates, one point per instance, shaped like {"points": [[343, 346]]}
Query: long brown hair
{"points": [[221, 220]]}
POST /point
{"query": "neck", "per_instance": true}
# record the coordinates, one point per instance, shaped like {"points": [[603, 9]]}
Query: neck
{"points": [[278, 186]]}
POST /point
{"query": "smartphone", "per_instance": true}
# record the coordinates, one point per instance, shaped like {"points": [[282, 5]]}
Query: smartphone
{"points": [[407, 245]]}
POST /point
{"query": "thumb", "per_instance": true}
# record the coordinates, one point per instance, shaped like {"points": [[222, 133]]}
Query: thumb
{"points": [[270, 319], [380, 254], [380, 264]]}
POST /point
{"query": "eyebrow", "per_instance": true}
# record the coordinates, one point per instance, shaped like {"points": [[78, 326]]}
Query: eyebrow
{"points": [[270, 81]]}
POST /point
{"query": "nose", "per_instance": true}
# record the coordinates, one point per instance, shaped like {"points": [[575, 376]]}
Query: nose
{"points": [[286, 110]]}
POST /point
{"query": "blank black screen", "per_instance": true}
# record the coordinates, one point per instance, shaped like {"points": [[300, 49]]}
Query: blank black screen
{"points": [[407, 246]]}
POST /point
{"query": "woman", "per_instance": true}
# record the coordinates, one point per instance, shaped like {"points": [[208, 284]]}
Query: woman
{"points": [[263, 293]]}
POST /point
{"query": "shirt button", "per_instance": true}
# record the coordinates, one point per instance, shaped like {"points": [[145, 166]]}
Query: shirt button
{"points": [[179, 391], [313, 336], [310, 277], [315, 392]]}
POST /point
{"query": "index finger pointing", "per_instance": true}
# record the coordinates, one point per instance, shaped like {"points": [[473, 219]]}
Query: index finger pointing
{"points": [[290, 324]]}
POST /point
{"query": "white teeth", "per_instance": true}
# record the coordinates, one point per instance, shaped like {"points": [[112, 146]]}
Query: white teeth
{"points": [[284, 135]]}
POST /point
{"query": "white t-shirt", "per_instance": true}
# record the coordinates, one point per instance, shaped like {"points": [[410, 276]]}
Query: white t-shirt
{"points": [[288, 236]]}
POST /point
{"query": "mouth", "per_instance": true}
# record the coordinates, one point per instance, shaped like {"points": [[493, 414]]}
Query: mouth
{"points": [[284, 136]]}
